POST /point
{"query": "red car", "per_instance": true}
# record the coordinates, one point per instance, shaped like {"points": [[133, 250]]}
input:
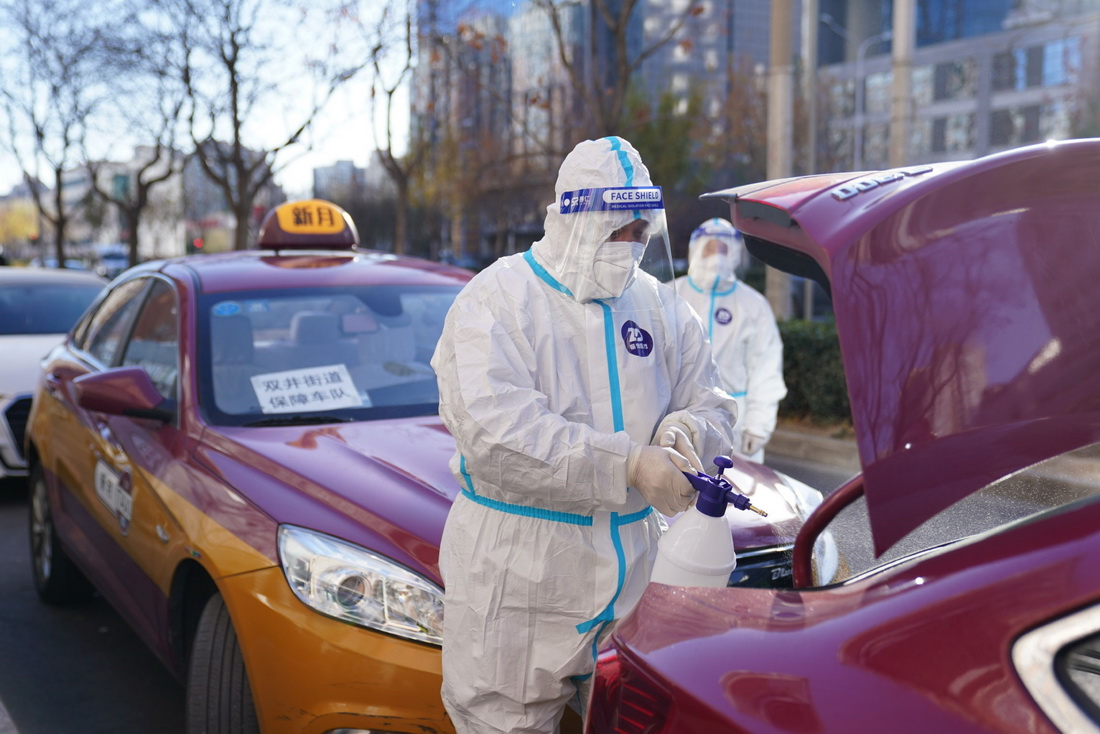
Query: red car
{"points": [[242, 453], [967, 309]]}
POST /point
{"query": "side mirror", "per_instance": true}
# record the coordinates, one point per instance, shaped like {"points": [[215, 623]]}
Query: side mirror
{"points": [[123, 391]]}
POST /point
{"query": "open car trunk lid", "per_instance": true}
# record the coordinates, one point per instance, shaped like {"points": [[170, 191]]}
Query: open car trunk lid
{"points": [[966, 308]]}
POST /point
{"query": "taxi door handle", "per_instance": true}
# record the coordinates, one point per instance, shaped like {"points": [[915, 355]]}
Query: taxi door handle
{"points": [[104, 430], [53, 383]]}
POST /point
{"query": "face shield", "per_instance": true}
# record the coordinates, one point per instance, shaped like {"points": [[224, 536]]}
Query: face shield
{"points": [[714, 254], [606, 227], [621, 230]]}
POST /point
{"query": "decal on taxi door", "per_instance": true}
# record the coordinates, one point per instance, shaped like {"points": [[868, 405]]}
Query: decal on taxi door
{"points": [[115, 492]]}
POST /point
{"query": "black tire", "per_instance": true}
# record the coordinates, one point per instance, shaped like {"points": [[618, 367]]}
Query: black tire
{"points": [[56, 578], [219, 697]]}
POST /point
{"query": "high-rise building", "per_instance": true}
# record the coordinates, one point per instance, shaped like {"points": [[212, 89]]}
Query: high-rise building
{"points": [[986, 76], [341, 181], [724, 36], [487, 103]]}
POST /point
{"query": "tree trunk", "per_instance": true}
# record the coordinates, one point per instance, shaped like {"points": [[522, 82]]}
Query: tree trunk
{"points": [[458, 240], [241, 232], [500, 239], [134, 215], [400, 231], [59, 221]]}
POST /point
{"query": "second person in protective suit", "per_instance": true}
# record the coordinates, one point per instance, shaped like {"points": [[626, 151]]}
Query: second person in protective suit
{"points": [[742, 331], [578, 387]]}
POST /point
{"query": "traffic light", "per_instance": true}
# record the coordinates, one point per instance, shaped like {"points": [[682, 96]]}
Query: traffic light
{"points": [[195, 245]]}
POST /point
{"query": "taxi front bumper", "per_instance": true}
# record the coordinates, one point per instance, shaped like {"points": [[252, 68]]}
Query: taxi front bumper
{"points": [[311, 674]]}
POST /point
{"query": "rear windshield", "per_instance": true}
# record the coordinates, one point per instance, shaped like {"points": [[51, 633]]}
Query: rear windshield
{"points": [[353, 353], [44, 308]]}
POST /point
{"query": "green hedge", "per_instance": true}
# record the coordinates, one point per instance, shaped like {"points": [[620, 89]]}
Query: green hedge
{"points": [[813, 372]]}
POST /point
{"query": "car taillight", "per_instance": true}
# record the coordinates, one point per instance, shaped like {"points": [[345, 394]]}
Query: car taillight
{"points": [[624, 700], [1059, 663]]}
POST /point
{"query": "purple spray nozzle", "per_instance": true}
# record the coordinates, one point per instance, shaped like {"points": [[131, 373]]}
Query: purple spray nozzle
{"points": [[716, 492]]}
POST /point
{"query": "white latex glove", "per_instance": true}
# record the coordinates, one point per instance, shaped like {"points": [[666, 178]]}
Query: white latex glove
{"points": [[675, 437], [657, 472], [751, 443]]}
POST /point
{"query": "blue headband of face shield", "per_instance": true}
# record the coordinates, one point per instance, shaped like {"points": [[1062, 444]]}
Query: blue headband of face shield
{"points": [[705, 230], [611, 199]]}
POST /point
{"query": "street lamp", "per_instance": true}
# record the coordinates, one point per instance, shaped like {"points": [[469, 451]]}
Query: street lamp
{"points": [[861, 52]]}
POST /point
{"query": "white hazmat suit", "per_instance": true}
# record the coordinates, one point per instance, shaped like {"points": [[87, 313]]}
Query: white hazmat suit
{"points": [[557, 369], [742, 331]]}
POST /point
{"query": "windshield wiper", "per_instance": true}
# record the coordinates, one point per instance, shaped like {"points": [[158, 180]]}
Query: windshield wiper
{"points": [[306, 419]]}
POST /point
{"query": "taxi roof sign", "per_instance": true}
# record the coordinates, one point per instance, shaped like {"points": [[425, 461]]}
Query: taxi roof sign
{"points": [[310, 224]]}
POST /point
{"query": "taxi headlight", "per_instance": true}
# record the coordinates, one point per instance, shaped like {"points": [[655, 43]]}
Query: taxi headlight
{"points": [[352, 584]]}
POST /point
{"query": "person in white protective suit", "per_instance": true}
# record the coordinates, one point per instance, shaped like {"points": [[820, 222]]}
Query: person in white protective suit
{"points": [[578, 387], [742, 332]]}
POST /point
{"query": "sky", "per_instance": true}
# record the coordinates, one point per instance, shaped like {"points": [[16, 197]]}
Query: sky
{"points": [[342, 132]]}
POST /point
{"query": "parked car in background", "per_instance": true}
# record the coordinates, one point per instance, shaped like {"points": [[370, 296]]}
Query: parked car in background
{"points": [[71, 263], [967, 311], [111, 259], [37, 308], [242, 452]]}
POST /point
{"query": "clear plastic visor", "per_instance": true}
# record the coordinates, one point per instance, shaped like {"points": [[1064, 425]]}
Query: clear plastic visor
{"points": [[657, 258], [597, 220]]}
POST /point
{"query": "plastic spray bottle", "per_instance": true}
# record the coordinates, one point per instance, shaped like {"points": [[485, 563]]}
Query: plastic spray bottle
{"points": [[698, 549]]}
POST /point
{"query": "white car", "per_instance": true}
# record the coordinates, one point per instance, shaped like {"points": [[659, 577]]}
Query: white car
{"points": [[37, 308]]}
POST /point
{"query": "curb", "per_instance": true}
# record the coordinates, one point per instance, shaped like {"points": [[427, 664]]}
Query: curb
{"points": [[793, 444]]}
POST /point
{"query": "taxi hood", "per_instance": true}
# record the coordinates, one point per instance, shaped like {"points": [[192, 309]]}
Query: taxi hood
{"points": [[966, 309], [383, 484]]}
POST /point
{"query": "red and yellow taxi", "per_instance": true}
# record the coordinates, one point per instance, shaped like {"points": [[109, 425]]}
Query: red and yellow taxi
{"points": [[242, 453]]}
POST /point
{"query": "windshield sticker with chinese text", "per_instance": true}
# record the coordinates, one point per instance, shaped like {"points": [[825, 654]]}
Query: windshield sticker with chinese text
{"points": [[306, 390]]}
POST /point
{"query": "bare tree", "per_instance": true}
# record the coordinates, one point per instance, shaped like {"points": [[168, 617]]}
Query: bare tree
{"points": [[255, 83], [734, 140], [133, 199], [511, 99], [464, 165], [392, 42], [149, 102], [567, 69], [601, 70], [51, 86], [479, 142]]}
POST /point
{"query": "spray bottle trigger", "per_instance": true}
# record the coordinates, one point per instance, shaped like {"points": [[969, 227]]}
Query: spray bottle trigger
{"points": [[700, 482], [717, 491]]}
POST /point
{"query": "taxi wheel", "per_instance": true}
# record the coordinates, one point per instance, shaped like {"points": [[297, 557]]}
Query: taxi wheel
{"points": [[219, 699], [56, 578]]}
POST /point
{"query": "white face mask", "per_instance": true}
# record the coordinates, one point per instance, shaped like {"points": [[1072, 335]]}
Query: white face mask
{"points": [[706, 270], [613, 266]]}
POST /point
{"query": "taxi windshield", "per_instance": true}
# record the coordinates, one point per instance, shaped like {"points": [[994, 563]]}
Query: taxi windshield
{"points": [[320, 355]]}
